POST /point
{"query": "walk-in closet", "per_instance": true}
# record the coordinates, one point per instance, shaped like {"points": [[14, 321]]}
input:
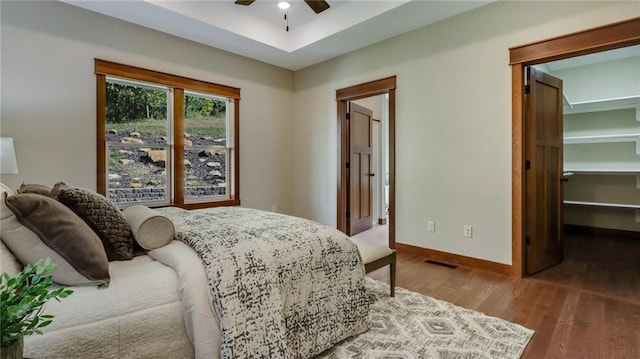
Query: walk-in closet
{"points": [[601, 97]]}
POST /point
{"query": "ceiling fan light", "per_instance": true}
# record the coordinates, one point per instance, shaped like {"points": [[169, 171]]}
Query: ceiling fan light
{"points": [[283, 5]]}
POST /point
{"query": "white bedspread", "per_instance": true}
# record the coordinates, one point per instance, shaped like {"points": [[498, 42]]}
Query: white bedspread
{"points": [[201, 321], [139, 315]]}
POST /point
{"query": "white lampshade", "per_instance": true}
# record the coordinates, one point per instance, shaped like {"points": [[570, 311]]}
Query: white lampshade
{"points": [[8, 164]]}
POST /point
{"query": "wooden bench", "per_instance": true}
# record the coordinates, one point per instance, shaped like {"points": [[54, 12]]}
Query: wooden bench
{"points": [[377, 256]]}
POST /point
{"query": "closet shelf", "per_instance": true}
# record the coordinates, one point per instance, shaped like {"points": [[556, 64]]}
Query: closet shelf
{"points": [[603, 171], [602, 204], [604, 105], [629, 137]]}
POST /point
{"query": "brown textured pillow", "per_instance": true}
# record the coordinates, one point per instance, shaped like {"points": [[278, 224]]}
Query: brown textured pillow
{"points": [[102, 216], [34, 188], [65, 234]]}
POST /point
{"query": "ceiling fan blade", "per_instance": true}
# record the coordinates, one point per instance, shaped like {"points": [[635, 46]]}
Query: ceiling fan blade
{"points": [[244, 2], [317, 6]]}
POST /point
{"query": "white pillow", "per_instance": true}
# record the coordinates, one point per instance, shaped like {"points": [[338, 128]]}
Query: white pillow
{"points": [[27, 247], [8, 262], [150, 229]]}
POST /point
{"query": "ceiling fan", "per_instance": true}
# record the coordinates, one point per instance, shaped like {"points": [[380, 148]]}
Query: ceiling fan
{"points": [[317, 6]]}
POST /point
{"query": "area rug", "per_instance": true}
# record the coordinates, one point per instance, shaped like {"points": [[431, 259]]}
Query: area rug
{"points": [[412, 325]]}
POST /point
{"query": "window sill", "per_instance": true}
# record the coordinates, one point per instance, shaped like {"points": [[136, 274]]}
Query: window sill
{"points": [[231, 202]]}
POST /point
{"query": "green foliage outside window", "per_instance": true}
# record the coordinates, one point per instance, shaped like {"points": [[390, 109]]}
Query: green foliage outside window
{"points": [[127, 103], [197, 107]]}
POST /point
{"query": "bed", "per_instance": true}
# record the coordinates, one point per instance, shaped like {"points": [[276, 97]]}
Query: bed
{"points": [[235, 283], [140, 315]]}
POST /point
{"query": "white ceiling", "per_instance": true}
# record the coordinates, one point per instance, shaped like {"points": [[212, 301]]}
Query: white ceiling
{"points": [[258, 31]]}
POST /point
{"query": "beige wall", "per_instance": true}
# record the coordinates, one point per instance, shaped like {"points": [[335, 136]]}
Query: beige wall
{"points": [[48, 95], [453, 120]]}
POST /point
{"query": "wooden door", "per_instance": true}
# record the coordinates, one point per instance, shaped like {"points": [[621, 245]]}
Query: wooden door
{"points": [[543, 171], [360, 175]]}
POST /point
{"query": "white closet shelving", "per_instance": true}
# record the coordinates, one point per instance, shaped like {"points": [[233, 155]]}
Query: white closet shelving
{"points": [[601, 107], [604, 204], [602, 171], [623, 137], [617, 103], [603, 138]]}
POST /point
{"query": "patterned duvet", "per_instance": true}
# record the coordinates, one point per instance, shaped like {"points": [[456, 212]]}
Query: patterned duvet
{"points": [[283, 287]]}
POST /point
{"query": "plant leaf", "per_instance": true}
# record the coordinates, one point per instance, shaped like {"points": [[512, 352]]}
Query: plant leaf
{"points": [[45, 323], [23, 297]]}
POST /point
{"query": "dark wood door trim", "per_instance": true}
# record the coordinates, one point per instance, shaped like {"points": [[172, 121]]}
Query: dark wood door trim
{"points": [[367, 89], [602, 38], [616, 35], [343, 96]]}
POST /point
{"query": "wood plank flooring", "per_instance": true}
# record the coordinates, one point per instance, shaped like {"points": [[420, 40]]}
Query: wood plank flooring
{"points": [[590, 311], [604, 264]]}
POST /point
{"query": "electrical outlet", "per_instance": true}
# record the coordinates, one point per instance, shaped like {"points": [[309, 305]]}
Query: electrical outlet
{"points": [[274, 208], [431, 226], [468, 232]]}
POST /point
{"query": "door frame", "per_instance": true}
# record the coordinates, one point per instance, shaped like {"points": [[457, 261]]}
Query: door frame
{"points": [[603, 38], [343, 96]]}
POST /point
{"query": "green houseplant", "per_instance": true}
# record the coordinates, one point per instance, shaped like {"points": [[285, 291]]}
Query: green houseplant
{"points": [[22, 300]]}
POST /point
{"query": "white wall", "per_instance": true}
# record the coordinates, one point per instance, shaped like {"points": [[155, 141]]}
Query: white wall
{"points": [[453, 120], [604, 80], [48, 95]]}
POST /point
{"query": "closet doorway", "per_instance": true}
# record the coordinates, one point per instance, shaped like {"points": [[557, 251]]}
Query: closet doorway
{"points": [[614, 36], [600, 189], [366, 159]]}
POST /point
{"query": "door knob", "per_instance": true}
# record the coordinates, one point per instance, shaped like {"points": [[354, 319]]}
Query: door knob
{"points": [[371, 174]]}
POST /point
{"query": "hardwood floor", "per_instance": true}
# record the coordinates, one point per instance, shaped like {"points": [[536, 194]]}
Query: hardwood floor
{"points": [[602, 263], [574, 315]]}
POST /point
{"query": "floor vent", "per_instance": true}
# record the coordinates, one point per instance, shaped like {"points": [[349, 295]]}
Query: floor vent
{"points": [[448, 265]]}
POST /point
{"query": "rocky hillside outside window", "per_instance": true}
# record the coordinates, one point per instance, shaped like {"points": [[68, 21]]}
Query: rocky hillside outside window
{"points": [[165, 139]]}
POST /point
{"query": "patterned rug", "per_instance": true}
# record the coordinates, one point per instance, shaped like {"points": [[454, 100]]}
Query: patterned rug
{"points": [[412, 325]]}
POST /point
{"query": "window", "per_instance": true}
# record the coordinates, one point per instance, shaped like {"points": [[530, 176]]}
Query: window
{"points": [[165, 139], [207, 133]]}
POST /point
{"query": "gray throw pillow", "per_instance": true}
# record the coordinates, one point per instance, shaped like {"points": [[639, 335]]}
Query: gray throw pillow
{"points": [[64, 233], [102, 216], [34, 188]]}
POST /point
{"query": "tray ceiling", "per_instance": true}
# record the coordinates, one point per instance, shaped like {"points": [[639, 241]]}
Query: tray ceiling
{"points": [[258, 31]]}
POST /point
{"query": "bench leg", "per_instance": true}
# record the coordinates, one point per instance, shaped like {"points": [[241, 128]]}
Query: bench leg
{"points": [[392, 273]]}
